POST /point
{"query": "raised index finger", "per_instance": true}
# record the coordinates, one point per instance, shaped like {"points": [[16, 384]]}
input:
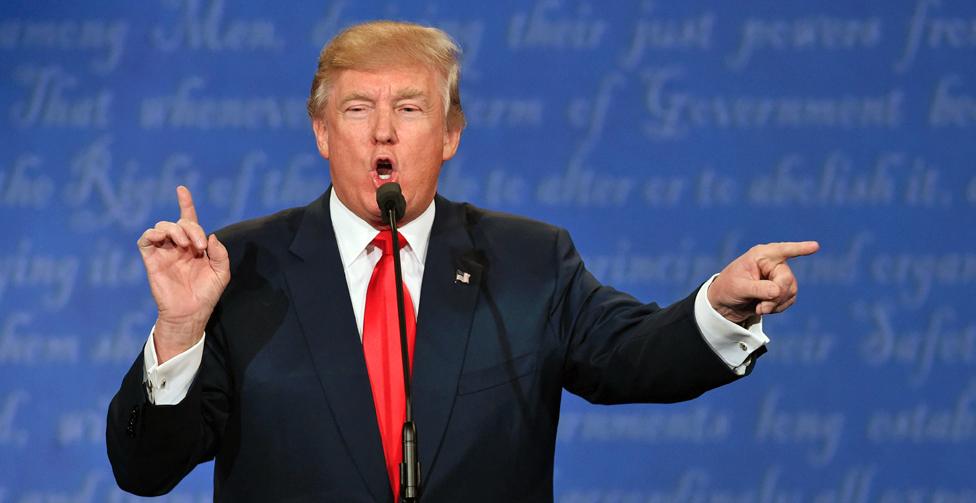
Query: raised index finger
{"points": [[779, 252], [187, 211]]}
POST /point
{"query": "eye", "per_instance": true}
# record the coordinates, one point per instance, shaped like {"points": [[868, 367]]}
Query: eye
{"points": [[410, 109], [356, 109]]}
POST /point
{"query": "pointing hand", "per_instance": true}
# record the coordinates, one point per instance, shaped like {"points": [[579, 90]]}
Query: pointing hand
{"points": [[187, 273], [758, 282]]}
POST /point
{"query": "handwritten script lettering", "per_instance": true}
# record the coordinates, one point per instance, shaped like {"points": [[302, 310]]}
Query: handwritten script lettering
{"points": [[817, 33], [187, 110], [210, 31], [68, 35], [673, 114], [48, 103]]}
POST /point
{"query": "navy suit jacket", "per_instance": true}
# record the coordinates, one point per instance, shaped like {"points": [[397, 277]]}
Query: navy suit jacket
{"points": [[282, 398]]}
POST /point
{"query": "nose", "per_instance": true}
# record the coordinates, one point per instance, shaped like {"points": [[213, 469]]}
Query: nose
{"points": [[384, 131]]}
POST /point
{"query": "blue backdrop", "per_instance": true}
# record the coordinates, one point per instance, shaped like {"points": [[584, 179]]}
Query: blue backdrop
{"points": [[668, 137]]}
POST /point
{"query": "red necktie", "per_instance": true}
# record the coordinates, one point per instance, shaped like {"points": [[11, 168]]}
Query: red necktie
{"points": [[381, 345]]}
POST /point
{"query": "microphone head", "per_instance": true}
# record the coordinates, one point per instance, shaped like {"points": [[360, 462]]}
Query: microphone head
{"points": [[390, 197]]}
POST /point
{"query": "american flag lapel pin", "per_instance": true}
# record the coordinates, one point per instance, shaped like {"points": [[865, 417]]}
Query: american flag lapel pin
{"points": [[462, 277]]}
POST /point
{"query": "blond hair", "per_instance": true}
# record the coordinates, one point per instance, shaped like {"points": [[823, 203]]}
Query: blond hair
{"points": [[382, 44]]}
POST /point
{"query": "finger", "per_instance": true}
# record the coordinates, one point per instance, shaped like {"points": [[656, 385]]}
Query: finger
{"points": [[781, 272], [194, 232], [783, 276], [784, 306], [187, 210], [150, 238], [175, 233], [775, 306], [748, 289], [765, 307], [778, 252]]}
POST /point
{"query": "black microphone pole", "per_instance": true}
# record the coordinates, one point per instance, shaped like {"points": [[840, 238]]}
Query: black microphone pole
{"points": [[391, 202]]}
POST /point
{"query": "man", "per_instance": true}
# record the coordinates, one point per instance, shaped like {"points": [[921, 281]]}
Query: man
{"points": [[270, 353]]}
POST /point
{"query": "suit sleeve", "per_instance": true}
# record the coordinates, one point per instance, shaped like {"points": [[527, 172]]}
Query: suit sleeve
{"points": [[152, 447], [619, 350]]}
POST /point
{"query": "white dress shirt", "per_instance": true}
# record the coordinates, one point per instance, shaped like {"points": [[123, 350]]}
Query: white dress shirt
{"points": [[168, 383]]}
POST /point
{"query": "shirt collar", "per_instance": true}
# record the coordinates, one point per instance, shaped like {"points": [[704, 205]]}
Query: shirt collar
{"points": [[353, 234]]}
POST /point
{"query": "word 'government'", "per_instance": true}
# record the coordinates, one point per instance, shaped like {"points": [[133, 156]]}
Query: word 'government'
{"points": [[674, 113]]}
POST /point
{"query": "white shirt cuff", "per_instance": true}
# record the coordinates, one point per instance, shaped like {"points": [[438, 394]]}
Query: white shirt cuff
{"points": [[733, 343], [167, 384]]}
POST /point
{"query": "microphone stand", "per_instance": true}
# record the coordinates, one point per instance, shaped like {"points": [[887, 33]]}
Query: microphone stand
{"points": [[410, 465]]}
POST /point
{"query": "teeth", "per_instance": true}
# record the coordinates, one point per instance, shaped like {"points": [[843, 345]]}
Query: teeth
{"points": [[385, 177]]}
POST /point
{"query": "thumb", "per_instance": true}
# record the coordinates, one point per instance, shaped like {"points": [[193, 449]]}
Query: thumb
{"points": [[219, 258]]}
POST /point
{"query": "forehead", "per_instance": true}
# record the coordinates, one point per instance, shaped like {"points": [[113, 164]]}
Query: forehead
{"points": [[387, 82]]}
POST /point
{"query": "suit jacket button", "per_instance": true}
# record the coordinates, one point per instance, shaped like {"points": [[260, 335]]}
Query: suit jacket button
{"points": [[130, 429]]}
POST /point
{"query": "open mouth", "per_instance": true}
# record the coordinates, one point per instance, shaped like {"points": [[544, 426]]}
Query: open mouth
{"points": [[384, 169]]}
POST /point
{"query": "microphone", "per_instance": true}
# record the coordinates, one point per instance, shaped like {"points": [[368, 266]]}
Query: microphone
{"points": [[390, 197], [390, 200]]}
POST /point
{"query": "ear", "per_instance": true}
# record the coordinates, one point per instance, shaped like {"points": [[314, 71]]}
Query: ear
{"points": [[452, 138], [321, 136]]}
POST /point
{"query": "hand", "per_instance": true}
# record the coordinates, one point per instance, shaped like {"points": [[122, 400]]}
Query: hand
{"points": [[187, 273], [759, 282]]}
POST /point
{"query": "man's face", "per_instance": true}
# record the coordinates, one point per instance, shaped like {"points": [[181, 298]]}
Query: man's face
{"points": [[385, 126]]}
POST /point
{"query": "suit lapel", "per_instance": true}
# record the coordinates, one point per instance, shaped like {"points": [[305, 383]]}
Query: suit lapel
{"points": [[321, 299], [447, 305]]}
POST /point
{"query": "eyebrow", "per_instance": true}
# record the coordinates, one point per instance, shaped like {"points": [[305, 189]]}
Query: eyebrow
{"points": [[357, 96], [408, 93]]}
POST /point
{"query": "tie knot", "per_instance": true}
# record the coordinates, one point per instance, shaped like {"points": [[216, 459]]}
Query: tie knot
{"points": [[384, 241]]}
